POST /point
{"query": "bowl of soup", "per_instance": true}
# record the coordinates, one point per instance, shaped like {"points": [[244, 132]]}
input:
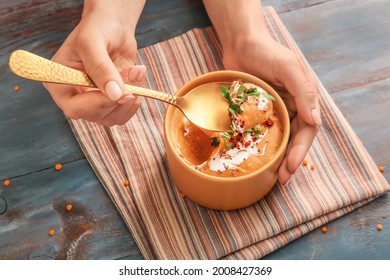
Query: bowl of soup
{"points": [[233, 169]]}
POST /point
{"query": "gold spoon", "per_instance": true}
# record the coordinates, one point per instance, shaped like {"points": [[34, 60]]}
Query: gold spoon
{"points": [[204, 106]]}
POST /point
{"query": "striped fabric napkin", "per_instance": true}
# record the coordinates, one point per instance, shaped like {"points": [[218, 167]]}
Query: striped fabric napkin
{"points": [[166, 225]]}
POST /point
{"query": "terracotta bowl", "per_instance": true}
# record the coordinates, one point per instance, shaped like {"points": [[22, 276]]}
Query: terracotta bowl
{"points": [[224, 193]]}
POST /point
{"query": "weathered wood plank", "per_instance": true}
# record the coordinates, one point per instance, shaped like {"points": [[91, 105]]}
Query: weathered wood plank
{"points": [[34, 134], [367, 110], [347, 42], [283, 6], [351, 237], [37, 203]]}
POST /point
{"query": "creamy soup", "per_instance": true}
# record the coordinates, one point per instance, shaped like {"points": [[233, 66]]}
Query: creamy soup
{"points": [[255, 137]]}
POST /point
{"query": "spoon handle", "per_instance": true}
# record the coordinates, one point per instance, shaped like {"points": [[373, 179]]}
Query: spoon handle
{"points": [[33, 67]]}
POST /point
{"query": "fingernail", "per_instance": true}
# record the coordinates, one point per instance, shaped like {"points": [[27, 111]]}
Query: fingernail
{"points": [[126, 99], [315, 114], [113, 90], [287, 182], [141, 73], [136, 73]]}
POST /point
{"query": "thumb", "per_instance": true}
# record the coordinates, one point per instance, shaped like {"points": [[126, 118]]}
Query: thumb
{"points": [[103, 72]]}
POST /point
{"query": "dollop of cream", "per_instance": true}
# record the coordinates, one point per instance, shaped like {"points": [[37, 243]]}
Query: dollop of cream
{"points": [[232, 158]]}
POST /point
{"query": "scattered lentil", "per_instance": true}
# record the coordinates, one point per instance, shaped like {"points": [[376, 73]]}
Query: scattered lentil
{"points": [[52, 232], [381, 168], [379, 227], [305, 162], [312, 167], [58, 166], [324, 229], [16, 87], [126, 183], [69, 206], [7, 183]]}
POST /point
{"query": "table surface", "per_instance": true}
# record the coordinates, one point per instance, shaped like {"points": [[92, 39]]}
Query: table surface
{"points": [[347, 43]]}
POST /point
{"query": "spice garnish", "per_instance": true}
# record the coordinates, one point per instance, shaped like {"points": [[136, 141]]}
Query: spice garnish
{"points": [[7, 182], [236, 95]]}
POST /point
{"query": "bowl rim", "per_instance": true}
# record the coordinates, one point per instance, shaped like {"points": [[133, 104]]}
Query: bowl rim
{"points": [[238, 75]]}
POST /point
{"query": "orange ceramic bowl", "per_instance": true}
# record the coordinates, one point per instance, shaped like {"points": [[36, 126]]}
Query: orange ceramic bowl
{"points": [[216, 192]]}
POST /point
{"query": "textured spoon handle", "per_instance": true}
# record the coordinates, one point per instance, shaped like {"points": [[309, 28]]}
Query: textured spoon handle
{"points": [[33, 67]]}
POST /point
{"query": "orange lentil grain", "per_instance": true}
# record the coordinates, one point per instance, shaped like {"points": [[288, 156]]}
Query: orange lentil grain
{"points": [[52, 232], [16, 87], [305, 162], [58, 166], [312, 167], [69, 207], [324, 229], [7, 183], [126, 183], [183, 195], [381, 168], [379, 227]]}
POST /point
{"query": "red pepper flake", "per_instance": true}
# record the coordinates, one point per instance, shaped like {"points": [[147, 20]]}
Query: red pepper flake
{"points": [[7, 182], [182, 195], [269, 122]]}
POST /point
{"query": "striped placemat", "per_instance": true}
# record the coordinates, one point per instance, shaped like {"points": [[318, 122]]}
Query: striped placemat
{"points": [[167, 226]]}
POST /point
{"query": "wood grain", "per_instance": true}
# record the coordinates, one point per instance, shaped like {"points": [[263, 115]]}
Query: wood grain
{"points": [[346, 42]]}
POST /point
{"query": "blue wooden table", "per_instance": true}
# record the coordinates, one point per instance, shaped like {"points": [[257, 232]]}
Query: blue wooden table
{"points": [[347, 42]]}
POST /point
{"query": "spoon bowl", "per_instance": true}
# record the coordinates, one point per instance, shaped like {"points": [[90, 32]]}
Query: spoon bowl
{"points": [[203, 105]]}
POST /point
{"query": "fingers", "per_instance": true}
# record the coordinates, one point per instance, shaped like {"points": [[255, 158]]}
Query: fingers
{"points": [[92, 105], [302, 136], [121, 114], [101, 68], [134, 75]]}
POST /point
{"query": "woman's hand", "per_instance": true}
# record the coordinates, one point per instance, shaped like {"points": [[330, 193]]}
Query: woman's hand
{"points": [[104, 46], [272, 62], [247, 46]]}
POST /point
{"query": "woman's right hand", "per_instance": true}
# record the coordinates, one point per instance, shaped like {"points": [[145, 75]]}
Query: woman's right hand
{"points": [[103, 45]]}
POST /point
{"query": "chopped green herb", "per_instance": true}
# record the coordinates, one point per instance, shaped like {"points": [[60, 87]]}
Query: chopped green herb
{"points": [[253, 92], [267, 95], [255, 131], [229, 145], [226, 94]]}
